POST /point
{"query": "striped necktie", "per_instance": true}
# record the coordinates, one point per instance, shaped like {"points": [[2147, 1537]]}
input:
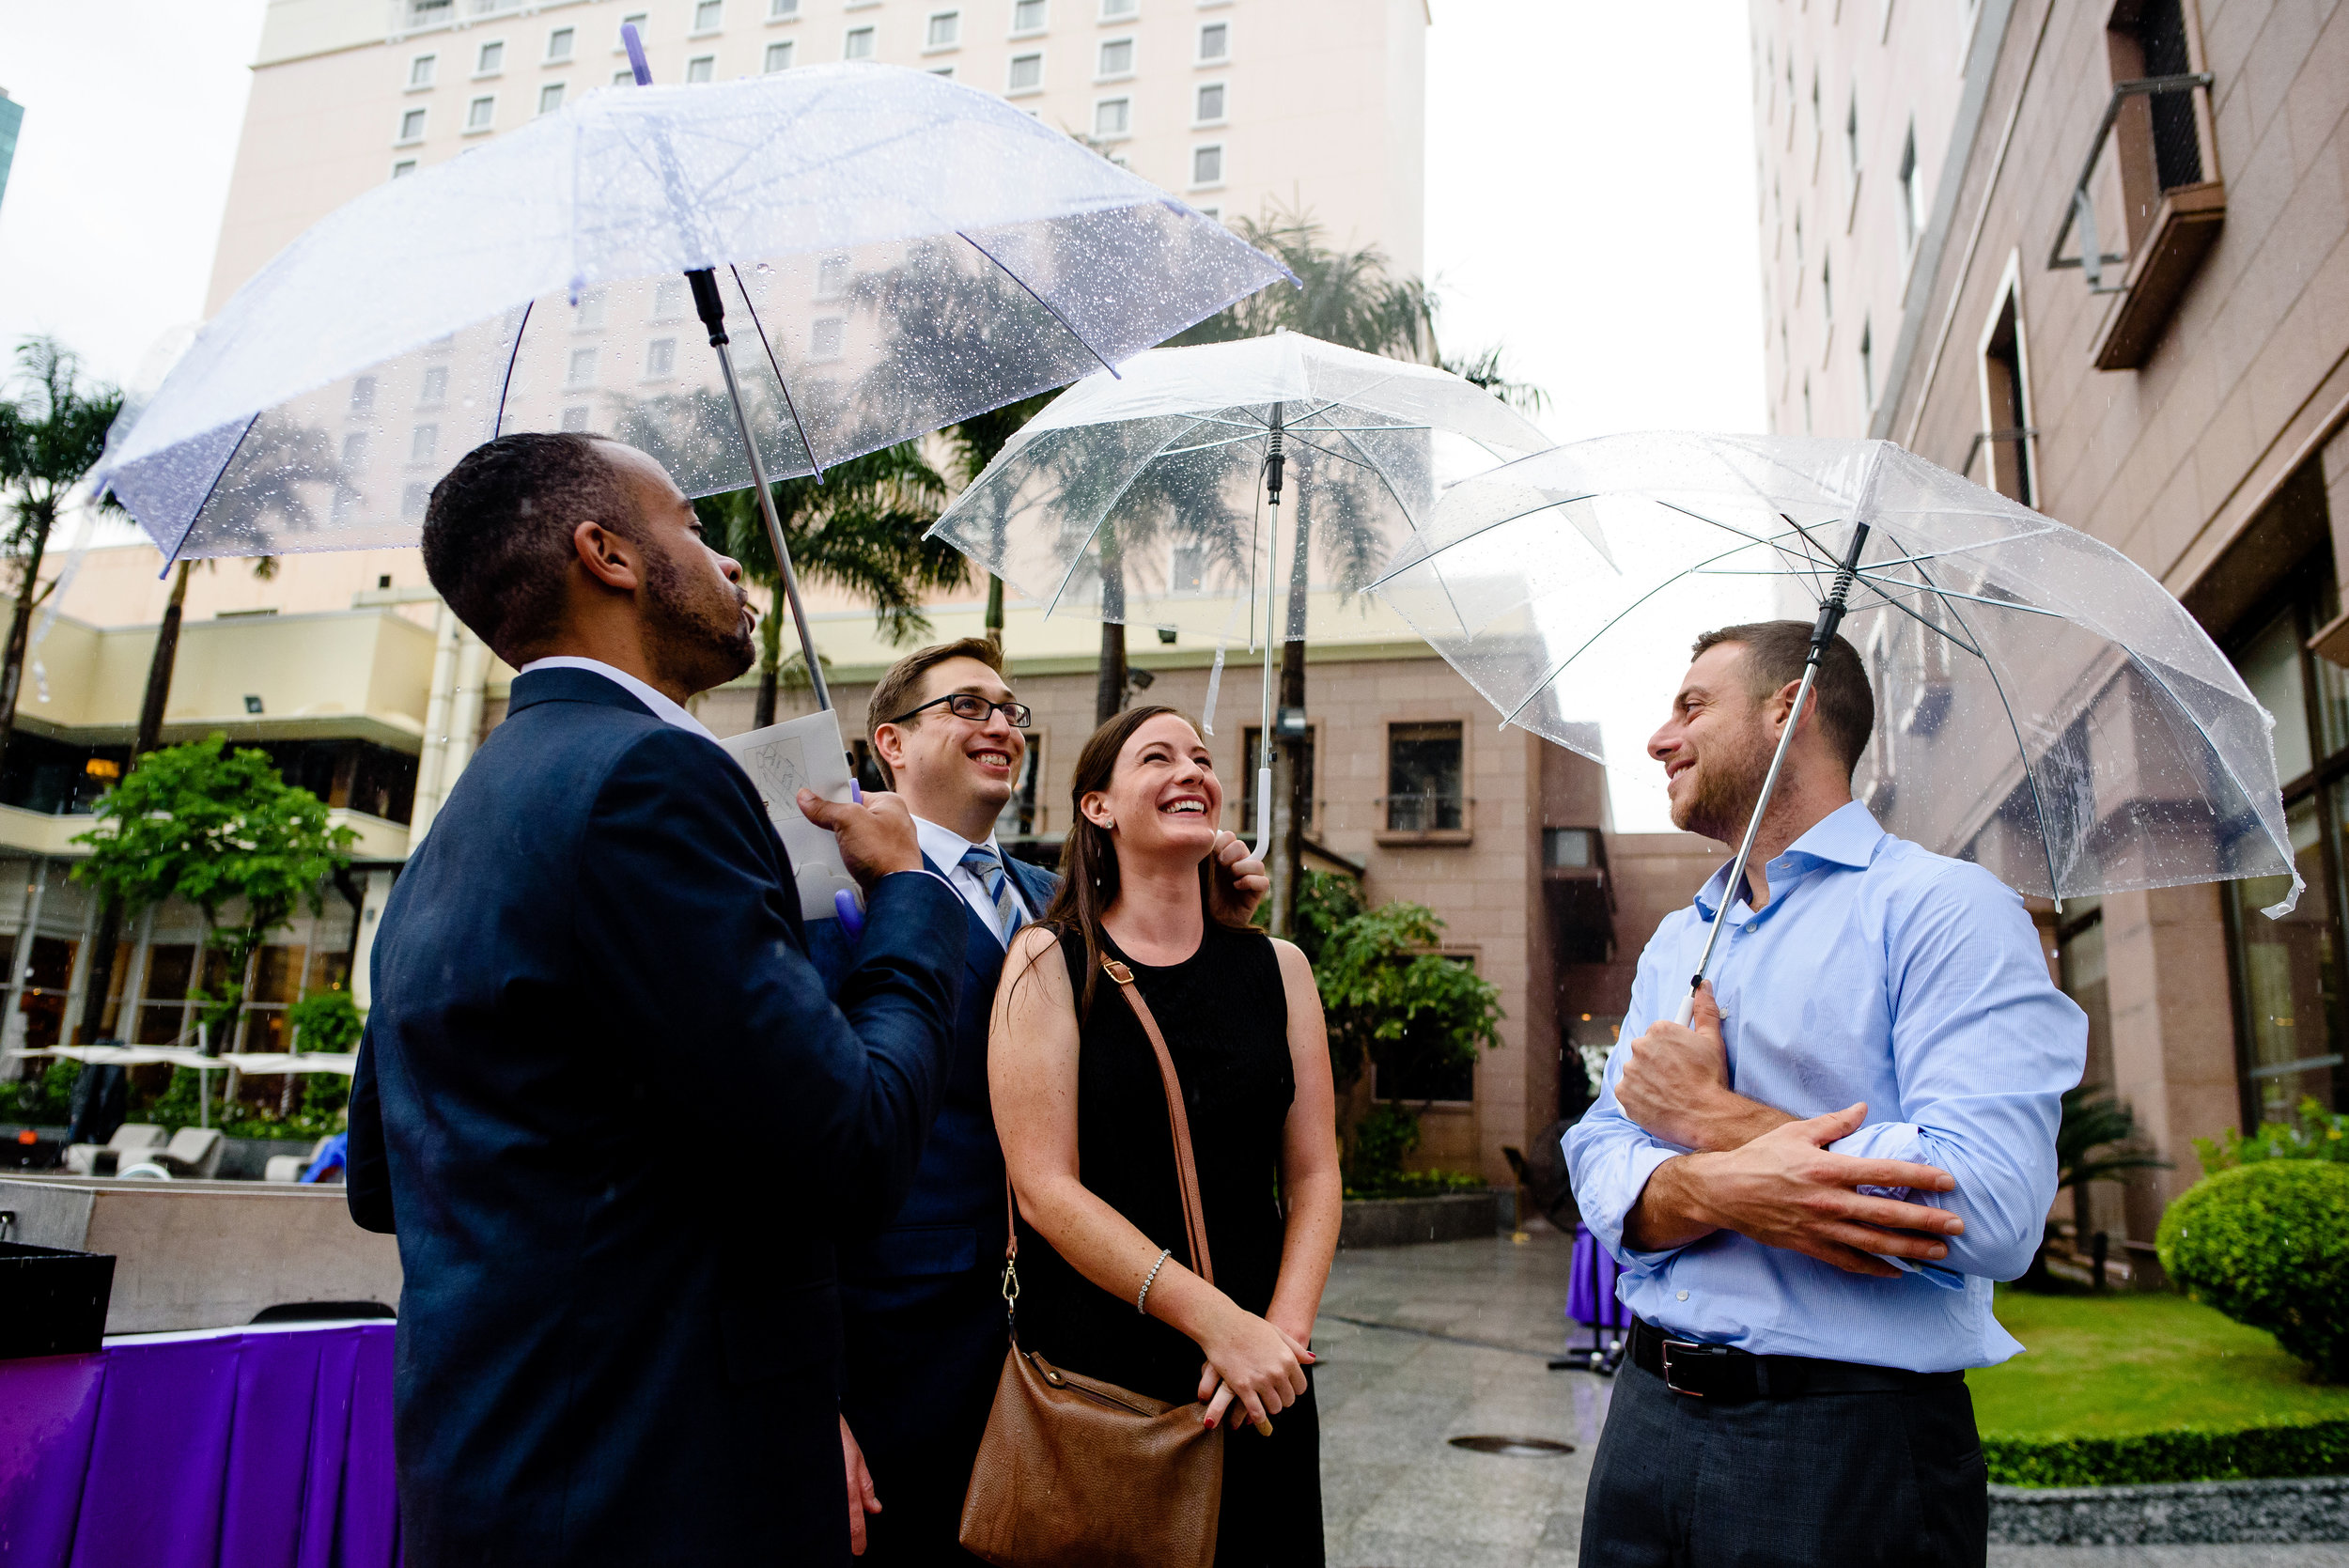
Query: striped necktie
{"points": [[988, 866]]}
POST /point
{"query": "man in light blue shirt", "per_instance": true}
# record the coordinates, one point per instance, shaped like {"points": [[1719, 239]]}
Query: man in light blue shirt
{"points": [[1813, 1187]]}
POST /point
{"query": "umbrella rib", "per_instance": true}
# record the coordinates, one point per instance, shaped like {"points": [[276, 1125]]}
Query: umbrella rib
{"points": [[1926, 624], [497, 426], [1611, 621], [1039, 299], [2217, 750], [790, 404], [1478, 531], [1206, 446], [1076, 557], [1339, 455], [1995, 603], [1766, 541], [2022, 752], [169, 561]]}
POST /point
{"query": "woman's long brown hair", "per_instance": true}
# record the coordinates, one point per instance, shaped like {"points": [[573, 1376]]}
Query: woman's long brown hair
{"points": [[1088, 856]]}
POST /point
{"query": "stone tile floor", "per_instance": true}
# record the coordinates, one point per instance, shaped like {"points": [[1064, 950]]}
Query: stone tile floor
{"points": [[1420, 1344]]}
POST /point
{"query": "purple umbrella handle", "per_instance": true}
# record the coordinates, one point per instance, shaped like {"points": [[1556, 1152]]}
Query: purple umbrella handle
{"points": [[844, 902], [632, 41]]}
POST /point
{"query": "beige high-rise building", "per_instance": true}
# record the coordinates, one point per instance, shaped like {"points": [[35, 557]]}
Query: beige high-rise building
{"points": [[1934, 177]]}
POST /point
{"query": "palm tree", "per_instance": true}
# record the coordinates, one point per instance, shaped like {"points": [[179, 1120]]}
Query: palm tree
{"points": [[859, 528], [974, 442], [49, 437], [2097, 1140], [1352, 298]]}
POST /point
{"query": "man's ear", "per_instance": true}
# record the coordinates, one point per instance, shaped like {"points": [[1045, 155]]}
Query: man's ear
{"points": [[889, 740], [607, 556]]}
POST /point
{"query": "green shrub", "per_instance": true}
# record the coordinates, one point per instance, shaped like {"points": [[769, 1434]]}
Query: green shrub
{"points": [[2320, 1134], [2150, 1458], [46, 1099], [2267, 1244], [325, 1020]]}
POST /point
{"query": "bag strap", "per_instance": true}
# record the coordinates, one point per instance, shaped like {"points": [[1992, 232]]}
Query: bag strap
{"points": [[1186, 1167]]}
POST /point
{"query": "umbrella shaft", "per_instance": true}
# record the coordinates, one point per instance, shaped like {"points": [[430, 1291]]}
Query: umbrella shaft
{"points": [[775, 524]]}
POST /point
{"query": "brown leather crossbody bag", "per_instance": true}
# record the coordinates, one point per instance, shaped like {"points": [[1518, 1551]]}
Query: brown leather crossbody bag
{"points": [[1075, 1472]]}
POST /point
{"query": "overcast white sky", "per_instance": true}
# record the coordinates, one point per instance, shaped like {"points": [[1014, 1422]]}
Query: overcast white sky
{"points": [[1590, 202]]}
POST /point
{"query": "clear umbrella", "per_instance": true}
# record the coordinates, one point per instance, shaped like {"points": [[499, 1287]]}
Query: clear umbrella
{"points": [[896, 250], [1152, 498], [2044, 706]]}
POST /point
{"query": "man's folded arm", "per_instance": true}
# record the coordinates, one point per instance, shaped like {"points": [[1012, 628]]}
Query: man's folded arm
{"points": [[687, 938], [1984, 1046], [366, 1175], [1609, 1156]]}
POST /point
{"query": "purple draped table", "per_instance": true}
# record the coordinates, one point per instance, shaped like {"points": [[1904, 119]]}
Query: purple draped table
{"points": [[1591, 1291], [234, 1447]]}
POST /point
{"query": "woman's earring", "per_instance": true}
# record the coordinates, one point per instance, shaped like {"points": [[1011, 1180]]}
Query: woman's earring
{"points": [[1108, 825]]}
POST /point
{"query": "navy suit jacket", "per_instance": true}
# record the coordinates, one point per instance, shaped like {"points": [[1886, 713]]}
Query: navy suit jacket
{"points": [[616, 1122]]}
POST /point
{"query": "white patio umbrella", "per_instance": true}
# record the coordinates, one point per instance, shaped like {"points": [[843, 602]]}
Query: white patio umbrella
{"points": [[1135, 498], [905, 250]]}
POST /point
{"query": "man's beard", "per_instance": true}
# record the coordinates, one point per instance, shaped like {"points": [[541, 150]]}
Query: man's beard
{"points": [[1727, 787], [703, 645]]}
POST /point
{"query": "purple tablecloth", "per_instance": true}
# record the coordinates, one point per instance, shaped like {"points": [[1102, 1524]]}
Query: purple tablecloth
{"points": [[1590, 1289], [242, 1448]]}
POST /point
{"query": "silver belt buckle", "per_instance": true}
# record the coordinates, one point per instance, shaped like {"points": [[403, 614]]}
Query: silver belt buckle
{"points": [[1671, 1345]]}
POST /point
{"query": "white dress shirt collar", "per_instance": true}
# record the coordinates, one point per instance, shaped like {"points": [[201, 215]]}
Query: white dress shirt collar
{"points": [[663, 709]]}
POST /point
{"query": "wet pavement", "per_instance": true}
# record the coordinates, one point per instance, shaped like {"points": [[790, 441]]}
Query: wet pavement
{"points": [[1421, 1344]]}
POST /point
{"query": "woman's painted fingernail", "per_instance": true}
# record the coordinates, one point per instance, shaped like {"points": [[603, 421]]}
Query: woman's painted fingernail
{"points": [[1265, 1427]]}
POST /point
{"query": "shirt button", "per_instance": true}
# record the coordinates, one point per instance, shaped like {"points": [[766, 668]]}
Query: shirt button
{"points": [[1683, 1296], [1750, 927]]}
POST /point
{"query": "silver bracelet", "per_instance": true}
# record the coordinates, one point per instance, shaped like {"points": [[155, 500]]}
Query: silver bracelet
{"points": [[1164, 1253]]}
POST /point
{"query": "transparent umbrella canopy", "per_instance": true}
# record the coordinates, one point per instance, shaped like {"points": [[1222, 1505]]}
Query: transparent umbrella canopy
{"points": [[1154, 497], [2044, 706], [893, 252]]}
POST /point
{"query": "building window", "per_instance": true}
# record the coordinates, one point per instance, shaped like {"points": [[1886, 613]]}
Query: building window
{"points": [[701, 68], [1424, 778], [778, 56], [421, 442], [575, 418], [1111, 117], [1017, 819], [1120, 10], [412, 499], [582, 369], [623, 78], [1818, 120], [858, 44], [832, 277], [668, 300], [402, 169], [362, 396], [1117, 58], [1026, 16], [824, 339], [1851, 145], [1252, 749], [550, 98], [559, 44], [480, 114], [1867, 369], [411, 125], [420, 70], [1798, 238], [1027, 73], [708, 15], [1912, 196], [945, 30], [1827, 288], [490, 60], [1570, 848], [2006, 406], [783, 10], [1208, 107], [435, 388], [1806, 405], [1215, 43], [2287, 973], [659, 359], [1206, 165], [947, 72]]}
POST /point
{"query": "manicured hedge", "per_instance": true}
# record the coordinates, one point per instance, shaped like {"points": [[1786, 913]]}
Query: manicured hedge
{"points": [[2319, 1448], [2267, 1244]]}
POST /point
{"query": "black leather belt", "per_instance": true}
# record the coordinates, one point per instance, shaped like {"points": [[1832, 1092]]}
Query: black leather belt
{"points": [[1729, 1375]]}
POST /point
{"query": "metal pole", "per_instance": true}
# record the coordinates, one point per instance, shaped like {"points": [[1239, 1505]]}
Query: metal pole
{"points": [[713, 314], [1822, 633], [1275, 462]]}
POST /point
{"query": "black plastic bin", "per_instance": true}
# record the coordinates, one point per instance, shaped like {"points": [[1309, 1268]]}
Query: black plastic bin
{"points": [[53, 1302]]}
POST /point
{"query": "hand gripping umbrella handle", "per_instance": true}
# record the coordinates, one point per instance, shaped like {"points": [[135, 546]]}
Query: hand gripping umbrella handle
{"points": [[1822, 633]]}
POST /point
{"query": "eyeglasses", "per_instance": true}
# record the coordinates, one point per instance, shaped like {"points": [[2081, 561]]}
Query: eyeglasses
{"points": [[977, 710]]}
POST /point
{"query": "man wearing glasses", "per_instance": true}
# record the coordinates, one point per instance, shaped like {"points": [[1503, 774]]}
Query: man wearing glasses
{"points": [[923, 1317]]}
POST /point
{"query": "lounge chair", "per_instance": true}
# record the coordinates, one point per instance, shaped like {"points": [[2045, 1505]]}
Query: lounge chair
{"points": [[129, 1140], [192, 1151], [288, 1168]]}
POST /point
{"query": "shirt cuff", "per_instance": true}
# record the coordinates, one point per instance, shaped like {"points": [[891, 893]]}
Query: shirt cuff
{"points": [[1901, 1141], [1639, 1164]]}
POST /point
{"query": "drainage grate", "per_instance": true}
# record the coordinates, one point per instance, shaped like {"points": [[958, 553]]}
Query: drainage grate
{"points": [[1514, 1448]]}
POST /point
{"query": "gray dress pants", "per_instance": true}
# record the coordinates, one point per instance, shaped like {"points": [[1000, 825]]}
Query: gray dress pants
{"points": [[1849, 1479]]}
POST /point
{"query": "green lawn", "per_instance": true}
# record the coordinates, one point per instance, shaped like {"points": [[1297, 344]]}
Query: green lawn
{"points": [[2129, 1362]]}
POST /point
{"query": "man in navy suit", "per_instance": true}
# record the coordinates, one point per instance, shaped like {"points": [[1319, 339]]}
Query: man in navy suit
{"points": [[619, 1334], [923, 1312]]}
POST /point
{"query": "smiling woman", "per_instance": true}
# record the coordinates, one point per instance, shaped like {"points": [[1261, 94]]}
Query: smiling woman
{"points": [[1212, 1059]]}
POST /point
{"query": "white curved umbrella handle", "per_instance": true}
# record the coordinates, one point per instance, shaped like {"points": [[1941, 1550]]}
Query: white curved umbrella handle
{"points": [[1688, 1013], [1264, 813]]}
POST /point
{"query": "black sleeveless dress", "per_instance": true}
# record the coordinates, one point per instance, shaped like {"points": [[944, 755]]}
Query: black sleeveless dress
{"points": [[1225, 1019]]}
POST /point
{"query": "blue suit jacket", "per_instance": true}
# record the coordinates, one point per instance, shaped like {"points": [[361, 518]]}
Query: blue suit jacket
{"points": [[612, 1114]]}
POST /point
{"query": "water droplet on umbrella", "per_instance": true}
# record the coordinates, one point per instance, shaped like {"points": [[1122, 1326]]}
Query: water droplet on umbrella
{"points": [[764, 268]]}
